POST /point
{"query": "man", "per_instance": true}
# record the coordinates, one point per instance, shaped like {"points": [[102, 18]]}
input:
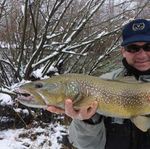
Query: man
{"points": [[90, 130]]}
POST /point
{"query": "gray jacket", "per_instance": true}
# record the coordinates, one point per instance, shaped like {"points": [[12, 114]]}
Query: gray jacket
{"points": [[85, 136]]}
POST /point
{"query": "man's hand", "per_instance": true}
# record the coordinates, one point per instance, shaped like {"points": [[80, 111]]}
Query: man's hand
{"points": [[81, 114]]}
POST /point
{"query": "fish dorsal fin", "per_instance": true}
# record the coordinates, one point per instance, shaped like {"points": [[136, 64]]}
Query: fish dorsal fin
{"points": [[141, 122]]}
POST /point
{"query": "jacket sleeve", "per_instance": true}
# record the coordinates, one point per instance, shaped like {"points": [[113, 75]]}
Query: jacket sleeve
{"points": [[86, 136]]}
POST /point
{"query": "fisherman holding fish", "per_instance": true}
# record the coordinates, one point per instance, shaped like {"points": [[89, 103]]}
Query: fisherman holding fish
{"points": [[110, 112], [90, 130]]}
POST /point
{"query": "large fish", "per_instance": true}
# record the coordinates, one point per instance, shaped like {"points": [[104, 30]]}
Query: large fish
{"points": [[115, 98]]}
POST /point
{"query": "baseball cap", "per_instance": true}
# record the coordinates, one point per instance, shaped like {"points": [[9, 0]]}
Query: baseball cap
{"points": [[136, 31]]}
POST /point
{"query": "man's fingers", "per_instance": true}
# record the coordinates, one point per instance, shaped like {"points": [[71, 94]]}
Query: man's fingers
{"points": [[88, 112], [92, 109], [69, 110], [81, 114], [56, 110]]}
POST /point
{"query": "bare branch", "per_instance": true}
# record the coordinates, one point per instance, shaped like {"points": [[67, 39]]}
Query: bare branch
{"points": [[23, 37], [37, 52], [2, 5]]}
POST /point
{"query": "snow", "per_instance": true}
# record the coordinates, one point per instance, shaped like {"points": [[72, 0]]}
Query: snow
{"points": [[19, 110], [23, 9], [41, 138], [5, 99], [101, 34], [38, 72], [46, 58], [47, 137], [3, 44]]}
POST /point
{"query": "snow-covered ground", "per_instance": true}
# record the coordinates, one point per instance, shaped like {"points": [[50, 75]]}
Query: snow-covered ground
{"points": [[34, 138], [45, 136]]}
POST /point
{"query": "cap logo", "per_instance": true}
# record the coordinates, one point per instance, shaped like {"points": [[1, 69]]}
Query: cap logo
{"points": [[138, 26]]}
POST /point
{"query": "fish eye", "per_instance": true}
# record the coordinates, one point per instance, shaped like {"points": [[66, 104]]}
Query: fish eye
{"points": [[38, 85]]}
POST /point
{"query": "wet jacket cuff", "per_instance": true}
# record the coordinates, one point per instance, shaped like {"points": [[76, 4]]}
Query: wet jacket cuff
{"points": [[95, 119]]}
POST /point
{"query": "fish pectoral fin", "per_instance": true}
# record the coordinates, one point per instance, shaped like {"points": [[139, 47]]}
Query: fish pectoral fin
{"points": [[141, 122]]}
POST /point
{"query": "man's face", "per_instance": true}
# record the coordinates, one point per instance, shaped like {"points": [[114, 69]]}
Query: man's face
{"points": [[140, 59]]}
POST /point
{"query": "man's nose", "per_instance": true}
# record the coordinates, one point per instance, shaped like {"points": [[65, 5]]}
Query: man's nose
{"points": [[142, 53]]}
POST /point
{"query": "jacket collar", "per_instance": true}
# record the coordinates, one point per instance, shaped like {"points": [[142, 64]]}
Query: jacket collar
{"points": [[131, 71]]}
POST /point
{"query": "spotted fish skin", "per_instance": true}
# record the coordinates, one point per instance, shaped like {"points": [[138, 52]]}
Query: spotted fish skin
{"points": [[115, 98]]}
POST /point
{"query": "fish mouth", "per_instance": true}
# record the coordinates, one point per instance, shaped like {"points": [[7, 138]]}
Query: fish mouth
{"points": [[23, 95], [27, 99]]}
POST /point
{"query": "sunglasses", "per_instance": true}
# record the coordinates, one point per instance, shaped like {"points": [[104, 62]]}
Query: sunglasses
{"points": [[136, 48]]}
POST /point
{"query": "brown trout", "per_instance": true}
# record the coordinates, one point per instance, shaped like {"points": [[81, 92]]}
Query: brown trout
{"points": [[115, 98]]}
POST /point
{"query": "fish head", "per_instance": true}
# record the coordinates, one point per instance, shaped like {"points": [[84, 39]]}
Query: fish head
{"points": [[40, 94]]}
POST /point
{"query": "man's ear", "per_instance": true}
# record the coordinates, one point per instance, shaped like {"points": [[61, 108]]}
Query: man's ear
{"points": [[122, 51]]}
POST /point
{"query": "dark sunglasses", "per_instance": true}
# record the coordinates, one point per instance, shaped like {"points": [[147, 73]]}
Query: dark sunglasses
{"points": [[135, 48]]}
